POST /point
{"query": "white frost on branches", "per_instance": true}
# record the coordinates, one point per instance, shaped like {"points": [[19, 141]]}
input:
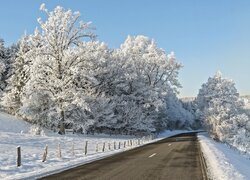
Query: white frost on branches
{"points": [[62, 78]]}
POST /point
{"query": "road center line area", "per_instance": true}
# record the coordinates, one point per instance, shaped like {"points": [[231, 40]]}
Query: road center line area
{"points": [[152, 155], [181, 160]]}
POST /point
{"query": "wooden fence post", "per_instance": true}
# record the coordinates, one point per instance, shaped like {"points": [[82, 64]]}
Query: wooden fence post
{"points": [[124, 144], [73, 149], [96, 148], [18, 156], [103, 148], [86, 147], [119, 145], [109, 146], [45, 153], [114, 145], [59, 151]]}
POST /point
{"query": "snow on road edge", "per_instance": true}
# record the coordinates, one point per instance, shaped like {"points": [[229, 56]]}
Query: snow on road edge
{"points": [[223, 162]]}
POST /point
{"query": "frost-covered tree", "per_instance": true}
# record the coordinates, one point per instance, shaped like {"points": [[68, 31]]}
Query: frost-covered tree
{"points": [[53, 67], [217, 97], [220, 109], [2, 65], [148, 75], [11, 54], [7, 56], [38, 108], [148, 63], [91, 107], [11, 100]]}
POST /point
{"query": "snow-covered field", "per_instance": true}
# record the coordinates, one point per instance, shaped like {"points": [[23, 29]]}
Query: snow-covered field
{"points": [[223, 162], [15, 132]]}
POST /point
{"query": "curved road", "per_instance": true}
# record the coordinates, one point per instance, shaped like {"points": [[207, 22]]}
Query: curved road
{"points": [[178, 157]]}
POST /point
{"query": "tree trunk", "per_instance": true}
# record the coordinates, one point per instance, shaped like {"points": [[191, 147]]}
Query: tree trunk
{"points": [[62, 125]]}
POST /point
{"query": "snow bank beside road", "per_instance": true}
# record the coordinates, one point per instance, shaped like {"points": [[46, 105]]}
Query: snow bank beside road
{"points": [[224, 163]]}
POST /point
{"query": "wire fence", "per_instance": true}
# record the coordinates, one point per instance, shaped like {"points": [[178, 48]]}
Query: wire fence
{"points": [[72, 150]]}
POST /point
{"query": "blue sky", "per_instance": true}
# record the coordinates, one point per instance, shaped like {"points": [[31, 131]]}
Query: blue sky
{"points": [[206, 35]]}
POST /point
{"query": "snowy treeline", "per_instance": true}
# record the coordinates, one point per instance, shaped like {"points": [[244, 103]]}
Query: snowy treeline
{"points": [[221, 110], [64, 77]]}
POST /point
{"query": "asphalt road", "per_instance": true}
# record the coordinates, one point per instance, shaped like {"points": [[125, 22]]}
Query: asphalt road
{"points": [[175, 158]]}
